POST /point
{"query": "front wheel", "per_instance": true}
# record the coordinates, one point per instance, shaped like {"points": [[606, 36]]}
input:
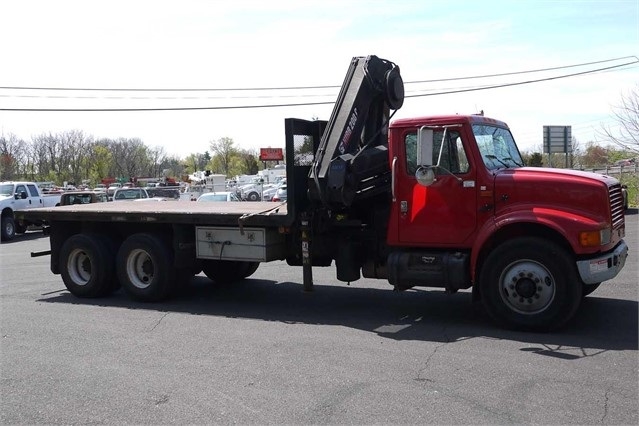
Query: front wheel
{"points": [[8, 228], [590, 288], [530, 284]]}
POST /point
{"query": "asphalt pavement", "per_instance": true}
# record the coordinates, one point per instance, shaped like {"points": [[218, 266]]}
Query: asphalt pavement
{"points": [[265, 352]]}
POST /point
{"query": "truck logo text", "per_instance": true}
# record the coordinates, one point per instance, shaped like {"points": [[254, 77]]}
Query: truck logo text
{"points": [[349, 132]]}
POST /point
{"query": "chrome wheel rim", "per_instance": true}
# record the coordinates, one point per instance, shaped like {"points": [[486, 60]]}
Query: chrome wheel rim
{"points": [[527, 287], [140, 268]]}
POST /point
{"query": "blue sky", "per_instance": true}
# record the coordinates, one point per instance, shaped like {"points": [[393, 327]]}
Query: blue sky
{"points": [[234, 44]]}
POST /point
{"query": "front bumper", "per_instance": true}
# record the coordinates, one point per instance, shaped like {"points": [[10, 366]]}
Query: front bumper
{"points": [[604, 267]]}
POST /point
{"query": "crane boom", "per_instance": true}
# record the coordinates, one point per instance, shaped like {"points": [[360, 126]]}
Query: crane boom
{"points": [[352, 158]]}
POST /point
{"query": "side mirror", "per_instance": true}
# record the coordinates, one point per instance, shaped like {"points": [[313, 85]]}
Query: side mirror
{"points": [[20, 195], [425, 173], [425, 146]]}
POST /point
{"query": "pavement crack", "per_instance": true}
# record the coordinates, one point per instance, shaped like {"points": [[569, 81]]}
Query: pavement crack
{"points": [[419, 377], [159, 321], [162, 399], [605, 406]]}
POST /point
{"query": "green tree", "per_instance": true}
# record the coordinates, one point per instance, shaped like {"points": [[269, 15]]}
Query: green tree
{"points": [[594, 156], [223, 152], [248, 161], [100, 162], [190, 163]]}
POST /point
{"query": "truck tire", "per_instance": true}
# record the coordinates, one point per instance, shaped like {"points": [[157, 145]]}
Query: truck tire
{"points": [[530, 284], [8, 228], [253, 196], [145, 267], [588, 289], [87, 264], [228, 271]]}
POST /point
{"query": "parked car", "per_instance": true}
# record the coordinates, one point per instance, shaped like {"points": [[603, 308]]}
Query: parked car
{"points": [[112, 188], [165, 192], [269, 193], [280, 195], [218, 196], [129, 194], [82, 197]]}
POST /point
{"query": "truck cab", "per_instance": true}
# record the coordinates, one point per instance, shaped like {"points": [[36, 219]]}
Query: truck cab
{"points": [[465, 211], [479, 184]]}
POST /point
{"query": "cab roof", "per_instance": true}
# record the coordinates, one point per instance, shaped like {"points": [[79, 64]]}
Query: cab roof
{"points": [[446, 119]]}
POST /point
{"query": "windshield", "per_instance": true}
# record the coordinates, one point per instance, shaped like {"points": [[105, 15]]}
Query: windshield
{"points": [[6, 189], [497, 147]]}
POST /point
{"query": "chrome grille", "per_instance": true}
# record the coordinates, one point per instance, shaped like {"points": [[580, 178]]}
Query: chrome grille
{"points": [[616, 205]]}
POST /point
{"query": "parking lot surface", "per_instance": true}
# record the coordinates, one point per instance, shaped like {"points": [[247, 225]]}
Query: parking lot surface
{"points": [[264, 352]]}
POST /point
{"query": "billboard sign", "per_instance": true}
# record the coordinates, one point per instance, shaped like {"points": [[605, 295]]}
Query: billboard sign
{"points": [[557, 139], [271, 154]]}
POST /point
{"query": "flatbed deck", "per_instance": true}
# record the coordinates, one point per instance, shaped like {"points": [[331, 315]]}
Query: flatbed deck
{"points": [[258, 213]]}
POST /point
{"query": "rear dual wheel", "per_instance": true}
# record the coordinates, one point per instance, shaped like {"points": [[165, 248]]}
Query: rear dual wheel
{"points": [[87, 264], [145, 267]]}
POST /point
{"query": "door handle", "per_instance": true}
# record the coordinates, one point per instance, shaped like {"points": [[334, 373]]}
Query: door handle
{"points": [[393, 178]]}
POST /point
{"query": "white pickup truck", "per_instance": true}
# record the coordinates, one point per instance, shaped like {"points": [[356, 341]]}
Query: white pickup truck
{"points": [[18, 196]]}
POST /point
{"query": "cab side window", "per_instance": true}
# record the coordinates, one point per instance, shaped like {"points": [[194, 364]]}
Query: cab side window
{"points": [[33, 190], [410, 145], [20, 189], [453, 155]]}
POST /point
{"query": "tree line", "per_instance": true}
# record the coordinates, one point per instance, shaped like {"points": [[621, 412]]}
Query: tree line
{"points": [[76, 157], [73, 156]]}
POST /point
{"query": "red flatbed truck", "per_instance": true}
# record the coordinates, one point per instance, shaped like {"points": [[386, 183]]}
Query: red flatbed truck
{"points": [[439, 202]]}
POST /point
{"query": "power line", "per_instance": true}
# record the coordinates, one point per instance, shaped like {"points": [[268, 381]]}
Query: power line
{"points": [[280, 105], [519, 83], [240, 89], [527, 72]]}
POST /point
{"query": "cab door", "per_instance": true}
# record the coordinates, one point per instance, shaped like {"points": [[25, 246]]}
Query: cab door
{"points": [[35, 199], [20, 203], [443, 214]]}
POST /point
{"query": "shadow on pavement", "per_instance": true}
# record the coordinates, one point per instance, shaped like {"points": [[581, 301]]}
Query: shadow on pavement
{"points": [[601, 324], [27, 236]]}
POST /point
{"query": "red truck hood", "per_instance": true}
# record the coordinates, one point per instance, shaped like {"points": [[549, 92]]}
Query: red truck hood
{"points": [[567, 190]]}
